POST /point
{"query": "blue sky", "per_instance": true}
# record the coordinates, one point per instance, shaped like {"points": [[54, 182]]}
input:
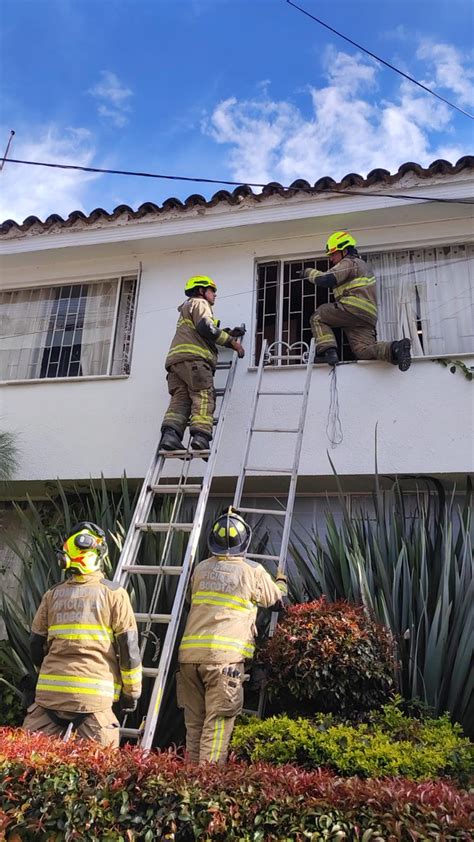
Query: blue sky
{"points": [[235, 89]]}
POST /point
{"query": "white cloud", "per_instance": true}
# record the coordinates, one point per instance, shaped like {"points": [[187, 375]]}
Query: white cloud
{"points": [[39, 191], [449, 70], [112, 98], [352, 127]]}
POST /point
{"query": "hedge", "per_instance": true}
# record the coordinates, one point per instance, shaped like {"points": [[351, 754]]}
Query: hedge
{"points": [[54, 791], [329, 657], [393, 744]]}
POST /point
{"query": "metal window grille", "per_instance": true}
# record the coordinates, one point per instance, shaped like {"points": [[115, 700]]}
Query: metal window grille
{"points": [[286, 301], [71, 330]]}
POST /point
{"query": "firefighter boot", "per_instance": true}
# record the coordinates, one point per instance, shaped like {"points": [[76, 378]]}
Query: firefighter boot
{"points": [[400, 354], [330, 356], [170, 440], [200, 441]]}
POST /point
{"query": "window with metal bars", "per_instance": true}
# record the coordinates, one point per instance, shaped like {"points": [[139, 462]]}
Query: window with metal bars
{"points": [[425, 294], [69, 330]]}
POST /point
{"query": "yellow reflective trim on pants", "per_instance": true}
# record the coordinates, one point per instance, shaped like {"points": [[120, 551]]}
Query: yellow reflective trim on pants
{"points": [[324, 337], [201, 419], [191, 349], [354, 284], [218, 738], [361, 303]]}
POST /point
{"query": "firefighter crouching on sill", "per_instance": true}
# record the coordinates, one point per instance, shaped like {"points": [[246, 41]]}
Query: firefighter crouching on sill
{"points": [[84, 641], [191, 364], [355, 308], [224, 593]]}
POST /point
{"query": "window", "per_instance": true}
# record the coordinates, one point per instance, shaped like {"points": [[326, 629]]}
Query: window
{"points": [[72, 330], [424, 294]]}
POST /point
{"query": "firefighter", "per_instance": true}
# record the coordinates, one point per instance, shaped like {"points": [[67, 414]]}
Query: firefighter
{"points": [[355, 307], [84, 641], [224, 593], [191, 363]]}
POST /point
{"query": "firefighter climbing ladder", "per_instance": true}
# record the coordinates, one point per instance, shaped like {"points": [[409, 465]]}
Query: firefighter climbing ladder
{"points": [[157, 481]]}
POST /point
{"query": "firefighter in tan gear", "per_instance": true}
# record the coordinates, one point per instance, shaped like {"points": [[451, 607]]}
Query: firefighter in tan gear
{"points": [[84, 641], [191, 363], [225, 591], [355, 307]]}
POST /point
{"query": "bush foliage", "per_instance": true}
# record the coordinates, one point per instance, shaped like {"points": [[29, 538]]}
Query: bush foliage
{"points": [[50, 790], [329, 657], [394, 744]]}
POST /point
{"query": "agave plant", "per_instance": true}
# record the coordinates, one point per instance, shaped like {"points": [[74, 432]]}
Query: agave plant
{"points": [[414, 574]]}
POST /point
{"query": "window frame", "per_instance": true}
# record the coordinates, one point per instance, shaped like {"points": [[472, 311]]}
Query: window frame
{"points": [[119, 278], [303, 257]]}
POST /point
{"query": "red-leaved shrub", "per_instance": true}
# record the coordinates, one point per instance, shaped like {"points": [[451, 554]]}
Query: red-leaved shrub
{"points": [[329, 657], [50, 790]]}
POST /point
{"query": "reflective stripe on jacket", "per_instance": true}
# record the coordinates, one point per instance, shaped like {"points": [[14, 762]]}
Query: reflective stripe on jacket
{"points": [[91, 644], [355, 287], [224, 595], [187, 343]]}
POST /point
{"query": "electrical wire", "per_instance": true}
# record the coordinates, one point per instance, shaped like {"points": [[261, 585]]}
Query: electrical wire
{"points": [[199, 180], [381, 60]]}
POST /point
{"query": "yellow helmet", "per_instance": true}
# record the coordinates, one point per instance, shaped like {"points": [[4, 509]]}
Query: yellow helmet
{"points": [[339, 241], [199, 281], [84, 549]]}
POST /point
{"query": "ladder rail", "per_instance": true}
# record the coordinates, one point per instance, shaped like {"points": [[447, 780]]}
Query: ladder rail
{"points": [[241, 479], [159, 684]]}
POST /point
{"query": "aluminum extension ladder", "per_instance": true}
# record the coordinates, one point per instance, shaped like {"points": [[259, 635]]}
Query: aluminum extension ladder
{"points": [[156, 482], [268, 355]]}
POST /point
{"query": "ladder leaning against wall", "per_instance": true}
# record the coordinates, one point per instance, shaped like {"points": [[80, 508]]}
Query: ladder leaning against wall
{"points": [[161, 480]]}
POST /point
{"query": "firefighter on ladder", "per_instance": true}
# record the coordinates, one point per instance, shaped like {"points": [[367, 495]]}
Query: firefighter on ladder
{"points": [[225, 591], [355, 307], [84, 641], [191, 364]]}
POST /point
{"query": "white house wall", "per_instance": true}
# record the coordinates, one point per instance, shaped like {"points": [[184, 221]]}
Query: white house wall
{"points": [[74, 429]]}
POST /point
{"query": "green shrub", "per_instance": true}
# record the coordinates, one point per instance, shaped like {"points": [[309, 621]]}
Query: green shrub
{"points": [[328, 657], [53, 791], [393, 745]]}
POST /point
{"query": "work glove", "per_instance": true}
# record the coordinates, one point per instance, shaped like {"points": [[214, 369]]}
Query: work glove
{"points": [[237, 331], [312, 274], [128, 705], [235, 344], [27, 685]]}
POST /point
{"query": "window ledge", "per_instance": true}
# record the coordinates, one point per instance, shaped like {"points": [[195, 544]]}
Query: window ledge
{"points": [[428, 358], [64, 379]]}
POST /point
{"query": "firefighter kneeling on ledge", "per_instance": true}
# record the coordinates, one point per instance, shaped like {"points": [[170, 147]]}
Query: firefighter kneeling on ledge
{"points": [[84, 642], [224, 593]]}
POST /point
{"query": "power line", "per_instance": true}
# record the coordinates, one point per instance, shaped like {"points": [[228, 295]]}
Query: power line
{"points": [[200, 180], [381, 60]]}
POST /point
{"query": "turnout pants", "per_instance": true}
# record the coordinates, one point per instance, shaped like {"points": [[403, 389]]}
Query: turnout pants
{"points": [[361, 334], [211, 701], [191, 386], [101, 726]]}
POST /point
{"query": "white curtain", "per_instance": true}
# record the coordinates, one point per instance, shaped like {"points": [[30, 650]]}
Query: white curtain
{"points": [[98, 327], [444, 278], [396, 298], [24, 321]]}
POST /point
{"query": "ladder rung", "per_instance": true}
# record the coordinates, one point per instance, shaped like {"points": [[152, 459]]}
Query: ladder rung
{"points": [[263, 556], [265, 392], [183, 454], [153, 618], [150, 672], [164, 527], [271, 470], [285, 357], [281, 512], [273, 430], [131, 732], [222, 366], [173, 489], [153, 570], [219, 392]]}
